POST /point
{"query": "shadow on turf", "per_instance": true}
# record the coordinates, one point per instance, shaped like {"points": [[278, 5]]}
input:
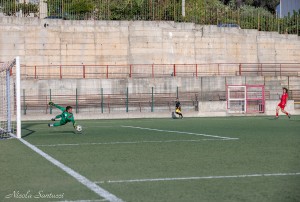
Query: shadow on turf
{"points": [[30, 131], [174, 116], [27, 126], [283, 118], [65, 132]]}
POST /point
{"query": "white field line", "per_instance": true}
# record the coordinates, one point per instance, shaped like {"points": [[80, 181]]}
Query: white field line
{"points": [[171, 131], [198, 178], [83, 201], [136, 142], [83, 180]]}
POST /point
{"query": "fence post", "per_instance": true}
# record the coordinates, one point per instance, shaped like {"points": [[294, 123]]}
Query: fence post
{"points": [[152, 104], [35, 72], [177, 96], [240, 69], [50, 100], [127, 99], [130, 70], [76, 101], [107, 71], [174, 70], [102, 100], [196, 70], [60, 72], [108, 104], [83, 71]]}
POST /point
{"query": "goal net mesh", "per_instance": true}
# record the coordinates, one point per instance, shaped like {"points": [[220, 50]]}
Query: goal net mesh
{"points": [[246, 99], [7, 100]]}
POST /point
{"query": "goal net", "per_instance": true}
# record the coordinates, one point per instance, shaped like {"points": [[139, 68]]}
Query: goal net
{"points": [[10, 117], [245, 98]]}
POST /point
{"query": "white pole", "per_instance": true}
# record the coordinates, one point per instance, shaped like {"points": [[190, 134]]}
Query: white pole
{"points": [[183, 8], [280, 5], [18, 99]]}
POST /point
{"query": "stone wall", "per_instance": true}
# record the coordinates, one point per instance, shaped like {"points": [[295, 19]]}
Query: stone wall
{"points": [[51, 41]]}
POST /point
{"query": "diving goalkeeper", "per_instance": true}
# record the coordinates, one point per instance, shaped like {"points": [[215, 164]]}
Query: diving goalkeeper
{"points": [[65, 117]]}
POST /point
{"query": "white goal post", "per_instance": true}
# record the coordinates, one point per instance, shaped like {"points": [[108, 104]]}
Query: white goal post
{"points": [[10, 99], [245, 98]]}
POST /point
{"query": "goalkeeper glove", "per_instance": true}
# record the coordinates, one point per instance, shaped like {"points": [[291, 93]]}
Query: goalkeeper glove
{"points": [[51, 103], [74, 125], [53, 119]]}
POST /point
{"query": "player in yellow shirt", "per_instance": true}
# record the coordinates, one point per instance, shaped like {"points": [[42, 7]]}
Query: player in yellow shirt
{"points": [[178, 108]]}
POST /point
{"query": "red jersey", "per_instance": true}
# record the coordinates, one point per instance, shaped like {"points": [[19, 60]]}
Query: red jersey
{"points": [[284, 98]]}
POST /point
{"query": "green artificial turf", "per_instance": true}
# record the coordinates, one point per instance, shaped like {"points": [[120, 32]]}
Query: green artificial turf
{"points": [[193, 159]]}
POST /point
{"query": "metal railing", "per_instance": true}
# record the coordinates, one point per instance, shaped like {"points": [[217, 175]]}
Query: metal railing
{"points": [[158, 70], [194, 11], [109, 103], [269, 69]]}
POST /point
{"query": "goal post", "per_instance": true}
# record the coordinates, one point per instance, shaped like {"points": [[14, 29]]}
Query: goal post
{"points": [[10, 99], [245, 98]]}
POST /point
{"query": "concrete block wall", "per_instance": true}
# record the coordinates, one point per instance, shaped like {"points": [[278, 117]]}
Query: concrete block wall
{"points": [[51, 41], [160, 85]]}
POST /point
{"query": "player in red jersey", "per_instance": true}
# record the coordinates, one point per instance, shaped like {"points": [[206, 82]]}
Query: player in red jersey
{"points": [[282, 104]]}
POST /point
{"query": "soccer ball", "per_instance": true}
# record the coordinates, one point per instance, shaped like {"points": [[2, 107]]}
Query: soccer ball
{"points": [[79, 128]]}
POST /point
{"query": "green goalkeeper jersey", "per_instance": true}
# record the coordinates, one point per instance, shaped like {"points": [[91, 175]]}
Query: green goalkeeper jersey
{"points": [[65, 116]]}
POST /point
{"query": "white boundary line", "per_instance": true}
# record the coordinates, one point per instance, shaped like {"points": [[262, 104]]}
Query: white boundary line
{"points": [[171, 131], [136, 142], [83, 201], [83, 180], [198, 178]]}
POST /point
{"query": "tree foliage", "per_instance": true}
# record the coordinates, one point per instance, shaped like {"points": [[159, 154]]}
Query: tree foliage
{"points": [[250, 14], [11, 8], [270, 5]]}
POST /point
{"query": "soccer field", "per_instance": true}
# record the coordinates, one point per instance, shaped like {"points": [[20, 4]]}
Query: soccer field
{"points": [[149, 160]]}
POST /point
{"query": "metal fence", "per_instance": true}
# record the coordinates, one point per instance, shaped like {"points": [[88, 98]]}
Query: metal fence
{"points": [[193, 11], [125, 101], [104, 102], [158, 70]]}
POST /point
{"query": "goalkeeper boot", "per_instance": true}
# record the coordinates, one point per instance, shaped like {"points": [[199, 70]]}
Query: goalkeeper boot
{"points": [[50, 125]]}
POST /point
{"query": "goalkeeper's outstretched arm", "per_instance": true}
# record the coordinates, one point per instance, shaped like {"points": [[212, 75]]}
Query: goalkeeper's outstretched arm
{"points": [[74, 123], [57, 106]]}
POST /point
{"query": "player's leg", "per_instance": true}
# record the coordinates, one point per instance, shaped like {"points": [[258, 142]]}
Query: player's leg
{"points": [[277, 110], [61, 123], [285, 112], [56, 117], [179, 113]]}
